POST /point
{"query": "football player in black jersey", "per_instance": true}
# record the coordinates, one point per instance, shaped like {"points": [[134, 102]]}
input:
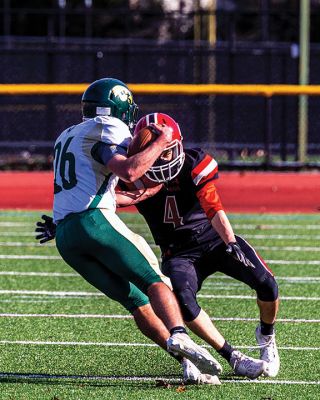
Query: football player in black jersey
{"points": [[188, 222]]}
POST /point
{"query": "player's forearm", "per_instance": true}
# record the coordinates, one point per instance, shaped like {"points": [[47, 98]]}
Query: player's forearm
{"points": [[132, 168], [126, 198], [139, 163], [221, 224]]}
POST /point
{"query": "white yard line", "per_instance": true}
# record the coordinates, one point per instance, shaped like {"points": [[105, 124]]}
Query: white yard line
{"points": [[259, 225], [33, 234], [124, 344], [266, 226], [47, 257], [290, 237], [98, 294], [146, 378], [294, 262], [53, 293], [120, 316], [248, 236], [212, 296], [272, 382], [226, 286], [217, 279], [266, 248], [298, 279], [30, 273], [76, 316], [28, 257], [13, 224], [287, 248], [25, 244]]}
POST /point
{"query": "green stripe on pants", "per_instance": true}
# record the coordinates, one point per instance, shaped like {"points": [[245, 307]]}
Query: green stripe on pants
{"points": [[107, 256]]}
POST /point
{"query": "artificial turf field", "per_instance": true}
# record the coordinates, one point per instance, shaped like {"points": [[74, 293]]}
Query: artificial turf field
{"points": [[62, 340]]}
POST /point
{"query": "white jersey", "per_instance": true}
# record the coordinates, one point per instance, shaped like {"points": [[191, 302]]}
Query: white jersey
{"points": [[80, 181]]}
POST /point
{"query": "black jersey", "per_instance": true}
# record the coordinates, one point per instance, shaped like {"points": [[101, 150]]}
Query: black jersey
{"points": [[175, 215]]}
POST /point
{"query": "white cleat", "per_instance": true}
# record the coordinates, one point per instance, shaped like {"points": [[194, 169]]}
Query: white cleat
{"points": [[192, 375], [268, 352], [246, 366], [181, 344]]}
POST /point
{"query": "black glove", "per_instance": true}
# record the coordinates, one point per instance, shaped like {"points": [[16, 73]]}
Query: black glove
{"points": [[235, 251], [47, 229]]}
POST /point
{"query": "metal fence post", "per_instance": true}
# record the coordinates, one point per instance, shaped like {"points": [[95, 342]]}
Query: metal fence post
{"points": [[268, 131], [303, 79]]}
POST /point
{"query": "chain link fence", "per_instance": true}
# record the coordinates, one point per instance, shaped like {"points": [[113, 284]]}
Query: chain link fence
{"points": [[234, 128]]}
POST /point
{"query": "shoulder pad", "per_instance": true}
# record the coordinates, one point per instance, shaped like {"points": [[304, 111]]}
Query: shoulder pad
{"points": [[204, 167]]}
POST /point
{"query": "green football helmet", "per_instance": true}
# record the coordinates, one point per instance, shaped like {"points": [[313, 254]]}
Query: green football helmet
{"points": [[109, 96]]}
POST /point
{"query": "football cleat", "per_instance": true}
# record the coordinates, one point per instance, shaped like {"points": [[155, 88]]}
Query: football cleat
{"points": [[181, 344], [246, 366], [192, 375], [268, 352]]}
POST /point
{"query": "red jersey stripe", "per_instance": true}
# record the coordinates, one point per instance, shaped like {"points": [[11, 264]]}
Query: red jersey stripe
{"points": [[202, 164], [207, 166]]}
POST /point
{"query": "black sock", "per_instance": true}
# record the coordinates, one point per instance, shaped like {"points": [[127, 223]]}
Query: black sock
{"points": [[266, 329], [178, 329], [226, 351]]}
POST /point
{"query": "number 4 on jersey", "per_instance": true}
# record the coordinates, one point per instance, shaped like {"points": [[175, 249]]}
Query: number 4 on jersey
{"points": [[171, 212]]}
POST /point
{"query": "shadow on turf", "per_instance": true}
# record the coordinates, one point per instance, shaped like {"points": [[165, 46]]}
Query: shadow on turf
{"points": [[87, 380]]}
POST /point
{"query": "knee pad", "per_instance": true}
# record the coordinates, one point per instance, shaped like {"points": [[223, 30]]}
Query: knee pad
{"points": [[190, 309], [268, 289]]}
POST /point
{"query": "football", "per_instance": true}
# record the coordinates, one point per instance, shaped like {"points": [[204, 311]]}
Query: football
{"points": [[141, 140]]}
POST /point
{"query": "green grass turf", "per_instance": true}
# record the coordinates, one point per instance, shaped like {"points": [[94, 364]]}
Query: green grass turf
{"points": [[87, 359]]}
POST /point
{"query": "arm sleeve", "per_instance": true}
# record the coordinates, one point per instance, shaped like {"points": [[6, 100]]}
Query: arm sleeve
{"points": [[209, 199], [103, 152], [204, 173]]}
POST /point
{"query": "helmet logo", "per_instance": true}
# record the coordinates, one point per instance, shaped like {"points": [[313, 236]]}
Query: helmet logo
{"points": [[123, 93]]}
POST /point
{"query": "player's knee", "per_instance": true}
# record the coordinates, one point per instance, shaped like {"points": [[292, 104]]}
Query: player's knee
{"points": [[190, 309], [268, 289]]}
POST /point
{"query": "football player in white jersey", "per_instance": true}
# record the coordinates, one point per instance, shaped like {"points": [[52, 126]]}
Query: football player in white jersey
{"points": [[89, 158]]}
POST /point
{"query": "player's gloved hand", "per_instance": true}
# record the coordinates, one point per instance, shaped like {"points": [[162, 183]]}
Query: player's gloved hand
{"points": [[235, 251], [47, 229]]}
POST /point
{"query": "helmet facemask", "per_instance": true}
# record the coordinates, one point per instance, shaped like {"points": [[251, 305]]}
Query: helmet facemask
{"points": [[169, 164]]}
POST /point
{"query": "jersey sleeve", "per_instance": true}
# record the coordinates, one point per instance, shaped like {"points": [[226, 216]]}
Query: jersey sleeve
{"points": [[114, 139], [204, 174], [114, 132]]}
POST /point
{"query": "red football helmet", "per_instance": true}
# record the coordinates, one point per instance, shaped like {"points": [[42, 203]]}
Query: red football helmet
{"points": [[170, 162]]}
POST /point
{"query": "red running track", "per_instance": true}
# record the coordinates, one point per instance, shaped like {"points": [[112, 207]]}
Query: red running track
{"points": [[249, 192]]}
